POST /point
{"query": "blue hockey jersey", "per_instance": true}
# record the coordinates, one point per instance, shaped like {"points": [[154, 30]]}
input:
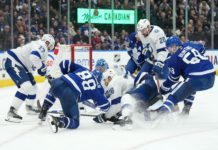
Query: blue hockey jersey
{"points": [[188, 61], [81, 80], [136, 50]]}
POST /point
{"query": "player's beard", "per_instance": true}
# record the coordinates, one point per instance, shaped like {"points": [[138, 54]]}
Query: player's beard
{"points": [[145, 35]]}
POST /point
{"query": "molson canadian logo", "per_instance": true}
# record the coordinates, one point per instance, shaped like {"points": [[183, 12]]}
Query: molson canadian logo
{"points": [[105, 16]]}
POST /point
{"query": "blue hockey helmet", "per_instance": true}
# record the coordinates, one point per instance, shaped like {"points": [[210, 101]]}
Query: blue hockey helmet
{"points": [[173, 40], [101, 63]]}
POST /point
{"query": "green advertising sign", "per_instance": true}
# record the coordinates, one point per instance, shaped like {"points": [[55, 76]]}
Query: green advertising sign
{"points": [[104, 16]]}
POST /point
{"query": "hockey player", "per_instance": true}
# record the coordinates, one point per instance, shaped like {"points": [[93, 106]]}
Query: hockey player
{"points": [[153, 40], [77, 84], [139, 99], [100, 67], [188, 61], [136, 51], [115, 87], [19, 64]]}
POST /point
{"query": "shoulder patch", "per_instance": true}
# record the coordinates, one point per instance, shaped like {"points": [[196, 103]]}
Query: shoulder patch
{"points": [[42, 49], [156, 30]]}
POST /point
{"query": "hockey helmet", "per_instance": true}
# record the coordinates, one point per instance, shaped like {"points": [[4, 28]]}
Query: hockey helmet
{"points": [[173, 40], [101, 63], [49, 38], [143, 24]]}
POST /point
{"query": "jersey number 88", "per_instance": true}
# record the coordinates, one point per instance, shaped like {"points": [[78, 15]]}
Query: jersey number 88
{"points": [[88, 82]]}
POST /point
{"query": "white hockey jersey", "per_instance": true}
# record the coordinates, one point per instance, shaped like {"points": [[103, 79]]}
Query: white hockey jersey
{"points": [[155, 42], [30, 56], [115, 90]]}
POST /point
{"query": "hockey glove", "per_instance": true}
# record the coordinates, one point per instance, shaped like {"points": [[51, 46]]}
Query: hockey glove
{"points": [[49, 78], [115, 118], [100, 118], [157, 68], [42, 71]]}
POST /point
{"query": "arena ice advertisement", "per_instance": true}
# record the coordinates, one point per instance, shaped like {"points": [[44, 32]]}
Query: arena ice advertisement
{"points": [[114, 58]]}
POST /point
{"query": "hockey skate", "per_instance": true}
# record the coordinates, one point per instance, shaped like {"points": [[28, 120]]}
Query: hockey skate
{"points": [[32, 110], [126, 123], [54, 123], [13, 116], [186, 110]]}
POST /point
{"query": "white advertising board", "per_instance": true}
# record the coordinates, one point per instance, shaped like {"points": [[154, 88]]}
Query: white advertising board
{"points": [[112, 57]]}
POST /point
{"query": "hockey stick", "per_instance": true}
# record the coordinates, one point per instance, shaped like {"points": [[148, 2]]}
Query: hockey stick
{"points": [[60, 112], [157, 80]]}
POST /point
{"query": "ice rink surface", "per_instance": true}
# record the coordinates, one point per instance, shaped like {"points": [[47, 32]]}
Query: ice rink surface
{"points": [[198, 132]]}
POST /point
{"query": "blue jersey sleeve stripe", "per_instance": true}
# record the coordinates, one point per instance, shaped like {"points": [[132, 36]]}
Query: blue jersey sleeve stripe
{"points": [[161, 50], [71, 82], [173, 79], [116, 101], [48, 100], [50, 97], [49, 55], [36, 54], [12, 54], [103, 105]]}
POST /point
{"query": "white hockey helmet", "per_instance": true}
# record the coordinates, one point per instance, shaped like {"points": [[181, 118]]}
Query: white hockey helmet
{"points": [[109, 73], [143, 24], [49, 38]]}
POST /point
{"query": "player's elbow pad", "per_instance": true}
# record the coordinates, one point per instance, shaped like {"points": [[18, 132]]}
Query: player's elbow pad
{"points": [[105, 107]]}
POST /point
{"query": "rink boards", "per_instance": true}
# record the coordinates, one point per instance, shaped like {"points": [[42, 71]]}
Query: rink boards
{"points": [[114, 58]]}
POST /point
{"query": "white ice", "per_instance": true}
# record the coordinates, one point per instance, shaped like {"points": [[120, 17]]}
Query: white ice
{"points": [[198, 132]]}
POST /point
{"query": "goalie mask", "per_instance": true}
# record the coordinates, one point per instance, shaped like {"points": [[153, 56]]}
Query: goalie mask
{"points": [[101, 65]]}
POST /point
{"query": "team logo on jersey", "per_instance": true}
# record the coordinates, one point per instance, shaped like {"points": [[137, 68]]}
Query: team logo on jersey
{"points": [[148, 47], [109, 92], [156, 31], [41, 48]]}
